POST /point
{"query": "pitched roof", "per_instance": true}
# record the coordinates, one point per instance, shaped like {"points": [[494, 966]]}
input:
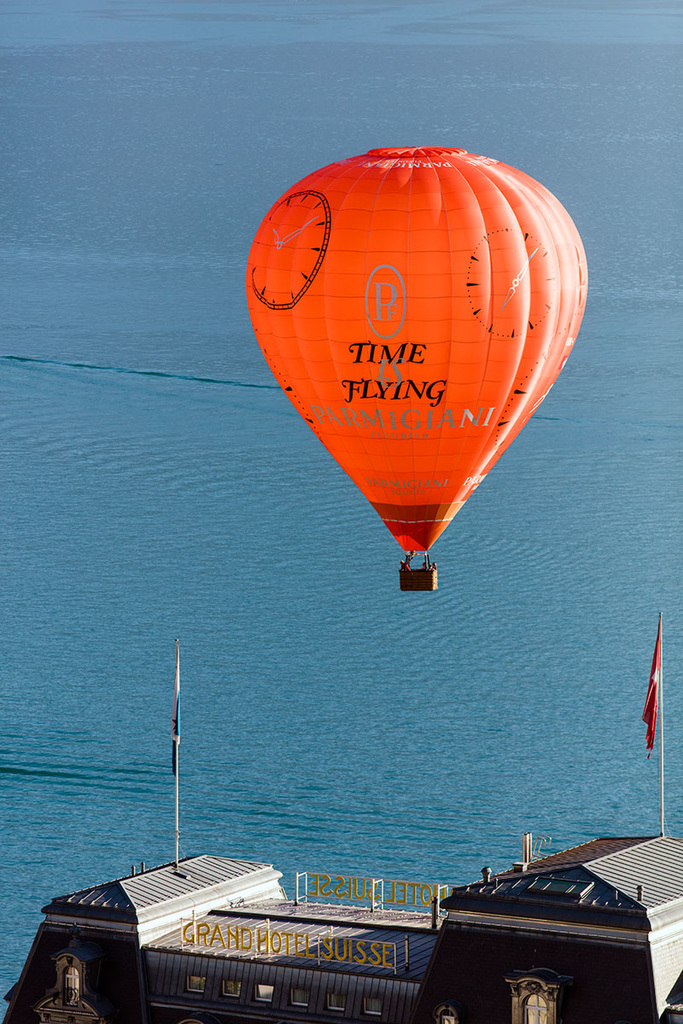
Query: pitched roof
{"points": [[161, 884], [604, 873], [655, 864], [586, 852], [574, 886], [193, 874]]}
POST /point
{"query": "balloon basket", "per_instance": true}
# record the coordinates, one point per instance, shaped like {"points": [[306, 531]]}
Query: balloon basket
{"points": [[418, 579]]}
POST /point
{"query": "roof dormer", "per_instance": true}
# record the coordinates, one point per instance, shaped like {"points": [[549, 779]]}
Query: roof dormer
{"points": [[75, 997]]}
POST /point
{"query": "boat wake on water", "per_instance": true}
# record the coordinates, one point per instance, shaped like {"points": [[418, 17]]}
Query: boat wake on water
{"points": [[139, 373]]}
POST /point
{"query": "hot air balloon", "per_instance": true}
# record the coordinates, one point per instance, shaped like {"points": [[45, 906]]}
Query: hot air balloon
{"points": [[416, 306]]}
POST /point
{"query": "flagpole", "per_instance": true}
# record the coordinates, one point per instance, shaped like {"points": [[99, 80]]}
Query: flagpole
{"points": [[661, 731], [176, 742], [177, 830]]}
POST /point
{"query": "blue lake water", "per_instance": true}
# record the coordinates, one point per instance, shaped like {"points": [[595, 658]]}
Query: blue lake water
{"points": [[156, 482]]}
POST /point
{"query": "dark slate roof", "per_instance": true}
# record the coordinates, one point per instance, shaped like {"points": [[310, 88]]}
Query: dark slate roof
{"points": [[655, 862], [167, 973], [158, 885], [604, 874], [589, 890]]}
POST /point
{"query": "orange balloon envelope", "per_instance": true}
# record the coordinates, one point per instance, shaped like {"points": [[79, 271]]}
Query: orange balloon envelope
{"points": [[416, 306]]}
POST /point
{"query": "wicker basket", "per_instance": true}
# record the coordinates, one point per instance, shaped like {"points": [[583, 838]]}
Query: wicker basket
{"points": [[418, 579]]}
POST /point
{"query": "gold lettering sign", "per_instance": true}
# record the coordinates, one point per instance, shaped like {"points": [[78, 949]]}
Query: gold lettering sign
{"points": [[387, 892], [268, 941]]}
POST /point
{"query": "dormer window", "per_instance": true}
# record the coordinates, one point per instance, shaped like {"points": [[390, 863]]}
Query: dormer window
{"points": [[75, 996], [537, 995], [448, 1013], [72, 986]]}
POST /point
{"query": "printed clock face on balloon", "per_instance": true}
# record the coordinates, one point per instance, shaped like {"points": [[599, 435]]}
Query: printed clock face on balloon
{"points": [[291, 249], [510, 287]]}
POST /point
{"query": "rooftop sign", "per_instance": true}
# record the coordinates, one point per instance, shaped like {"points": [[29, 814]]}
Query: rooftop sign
{"points": [[379, 892], [267, 940]]}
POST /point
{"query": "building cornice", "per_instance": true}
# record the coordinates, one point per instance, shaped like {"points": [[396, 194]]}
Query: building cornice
{"points": [[511, 922]]}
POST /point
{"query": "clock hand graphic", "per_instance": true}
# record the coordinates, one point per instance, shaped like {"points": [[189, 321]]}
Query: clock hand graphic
{"points": [[520, 277], [279, 242], [488, 274], [282, 273]]}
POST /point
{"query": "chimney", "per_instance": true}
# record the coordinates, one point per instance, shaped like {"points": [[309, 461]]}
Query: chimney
{"points": [[527, 853]]}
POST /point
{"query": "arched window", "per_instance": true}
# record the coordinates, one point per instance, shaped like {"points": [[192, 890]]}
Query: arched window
{"points": [[537, 995], [535, 1010], [71, 986], [448, 1013]]}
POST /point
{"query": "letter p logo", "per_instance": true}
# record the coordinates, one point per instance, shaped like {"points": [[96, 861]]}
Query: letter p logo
{"points": [[385, 301], [386, 306]]}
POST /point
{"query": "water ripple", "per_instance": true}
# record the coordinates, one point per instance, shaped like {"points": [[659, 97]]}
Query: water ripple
{"points": [[140, 373]]}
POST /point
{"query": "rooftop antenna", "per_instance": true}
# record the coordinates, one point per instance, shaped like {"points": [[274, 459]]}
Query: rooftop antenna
{"points": [[175, 739], [539, 843]]}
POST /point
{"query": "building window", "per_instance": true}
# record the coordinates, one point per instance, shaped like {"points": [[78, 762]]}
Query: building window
{"points": [[535, 1010], [264, 993], [336, 1001], [372, 1006], [195, 983], [537, 995], [300, 996], [231, 988], [72, 986], [448, 1013]]}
